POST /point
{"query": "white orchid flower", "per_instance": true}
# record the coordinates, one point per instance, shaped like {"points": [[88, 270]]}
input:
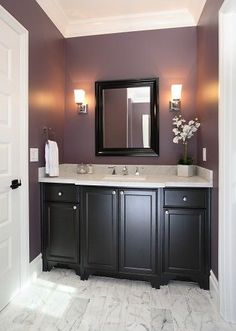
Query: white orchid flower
{"points": [[176, 131]]}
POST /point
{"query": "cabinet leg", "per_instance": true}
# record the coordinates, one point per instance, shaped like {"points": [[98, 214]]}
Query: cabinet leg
{"points": [[77, 271], [46, 266], [84, 276], [204, 283], [155, 284]]}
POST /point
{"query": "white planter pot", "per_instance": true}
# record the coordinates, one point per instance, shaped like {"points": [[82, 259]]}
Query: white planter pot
{"points": [[185, 170]]}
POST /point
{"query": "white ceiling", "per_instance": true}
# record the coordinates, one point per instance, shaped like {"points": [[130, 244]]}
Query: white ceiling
{"points": [[92, 17]]}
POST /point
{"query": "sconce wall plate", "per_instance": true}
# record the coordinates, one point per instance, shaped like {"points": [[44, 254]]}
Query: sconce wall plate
{"points": [[82, 109], [175, 105]]}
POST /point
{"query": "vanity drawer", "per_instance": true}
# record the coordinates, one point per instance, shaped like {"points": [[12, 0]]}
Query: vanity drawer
{"points": [[188, 198], [61, 192]]}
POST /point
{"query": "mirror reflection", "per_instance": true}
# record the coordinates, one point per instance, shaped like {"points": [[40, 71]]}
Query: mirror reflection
{"points": [[126, 120]]}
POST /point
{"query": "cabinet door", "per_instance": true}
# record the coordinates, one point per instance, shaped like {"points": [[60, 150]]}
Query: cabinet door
{"points": [[100, 224], [184, 241], [62, 232], [137, 231]]}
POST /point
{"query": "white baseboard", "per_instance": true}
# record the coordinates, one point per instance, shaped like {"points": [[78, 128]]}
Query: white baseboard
{"points": [[35, 267], [214, 290]]}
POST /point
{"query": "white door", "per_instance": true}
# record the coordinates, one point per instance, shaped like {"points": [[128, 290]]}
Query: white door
{"points": [[227, 160], [10, 203]]}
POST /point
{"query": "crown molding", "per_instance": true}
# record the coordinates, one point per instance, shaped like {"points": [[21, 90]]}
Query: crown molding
{"points": [[115, 24], [55, 13], [127, 23], [196, 8]]}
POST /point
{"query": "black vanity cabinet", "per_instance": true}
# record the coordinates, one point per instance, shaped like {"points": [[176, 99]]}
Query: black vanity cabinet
{"points": [[60, 226], [155, 235], [119, 231], [100, 229], [185, 240]]}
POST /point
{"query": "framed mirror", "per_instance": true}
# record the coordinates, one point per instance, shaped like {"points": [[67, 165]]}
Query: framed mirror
{"points": [[127, 122]]}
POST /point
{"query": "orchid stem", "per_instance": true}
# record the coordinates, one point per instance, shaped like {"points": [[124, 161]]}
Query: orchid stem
{"points": [[185, 152]]}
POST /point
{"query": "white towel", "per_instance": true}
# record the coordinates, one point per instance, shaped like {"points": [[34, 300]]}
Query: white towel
{"points": [[51, 159]]}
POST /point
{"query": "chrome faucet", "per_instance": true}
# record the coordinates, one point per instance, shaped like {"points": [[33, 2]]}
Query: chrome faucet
{"points": [[137, 172], [114, 170], [125, 171]]}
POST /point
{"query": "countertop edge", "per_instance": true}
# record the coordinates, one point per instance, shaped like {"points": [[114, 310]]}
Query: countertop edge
{"points": [[58, 180]]}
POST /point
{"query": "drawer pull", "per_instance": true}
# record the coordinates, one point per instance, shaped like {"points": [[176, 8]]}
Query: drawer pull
{"points": [[121, 192], [185, 199], [59, 194], [74, 207], [167, 213], [114, 192]]}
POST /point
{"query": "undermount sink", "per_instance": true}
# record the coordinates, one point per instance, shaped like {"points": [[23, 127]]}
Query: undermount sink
{"points": [[124, 177]]}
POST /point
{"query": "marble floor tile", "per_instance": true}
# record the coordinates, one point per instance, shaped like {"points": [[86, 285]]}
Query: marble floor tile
{"points": [[137, 317], [112, 315], [199, 301], [120, 289], [60, 301], [181, 288], [160, 298], [92, 319], [161, 319], [140, 293], [190, 317]]}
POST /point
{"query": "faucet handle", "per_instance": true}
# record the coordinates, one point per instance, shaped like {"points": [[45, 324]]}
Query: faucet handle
{"points": [[114, 169]]}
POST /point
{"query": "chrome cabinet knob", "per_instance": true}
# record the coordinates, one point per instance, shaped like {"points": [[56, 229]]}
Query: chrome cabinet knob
{"points": [[185, 199], [166, 212], [114, 192], [121, 192], [59, 194], [74, 207]]}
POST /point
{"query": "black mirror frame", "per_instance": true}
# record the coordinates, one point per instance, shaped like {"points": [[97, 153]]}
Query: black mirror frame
{"points": [[154, 102]]}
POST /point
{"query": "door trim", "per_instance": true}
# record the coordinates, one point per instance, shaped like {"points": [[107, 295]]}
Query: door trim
{"points": [[227, 160], [24, 145]]}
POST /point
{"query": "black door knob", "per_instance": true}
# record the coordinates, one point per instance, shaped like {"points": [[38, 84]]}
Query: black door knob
{"points": [[15, 184]]}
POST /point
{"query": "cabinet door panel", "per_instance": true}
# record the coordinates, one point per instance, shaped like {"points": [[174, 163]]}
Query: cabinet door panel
{"points": [[100, 217], [183, 241], [137, 231], [62, 232]]}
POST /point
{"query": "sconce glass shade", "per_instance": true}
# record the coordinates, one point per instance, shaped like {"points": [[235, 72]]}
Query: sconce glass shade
{"points": [[175, 103], [80, 101], [79, 96], [176, 90]]}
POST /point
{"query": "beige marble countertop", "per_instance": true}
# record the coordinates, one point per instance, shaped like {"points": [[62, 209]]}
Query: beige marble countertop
{"points": [[150, 177]]}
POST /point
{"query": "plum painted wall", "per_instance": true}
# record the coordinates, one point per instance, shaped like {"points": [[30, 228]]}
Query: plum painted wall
{"points": [[207, 106], [169, 54], [46, 94]]}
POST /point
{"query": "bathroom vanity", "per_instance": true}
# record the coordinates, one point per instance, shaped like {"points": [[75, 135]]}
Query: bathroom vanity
{"points": [[153, 229]]}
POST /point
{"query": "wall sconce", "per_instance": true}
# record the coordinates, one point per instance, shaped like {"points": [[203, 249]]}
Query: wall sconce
{"points": [[175, 103], [80, 101]]}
